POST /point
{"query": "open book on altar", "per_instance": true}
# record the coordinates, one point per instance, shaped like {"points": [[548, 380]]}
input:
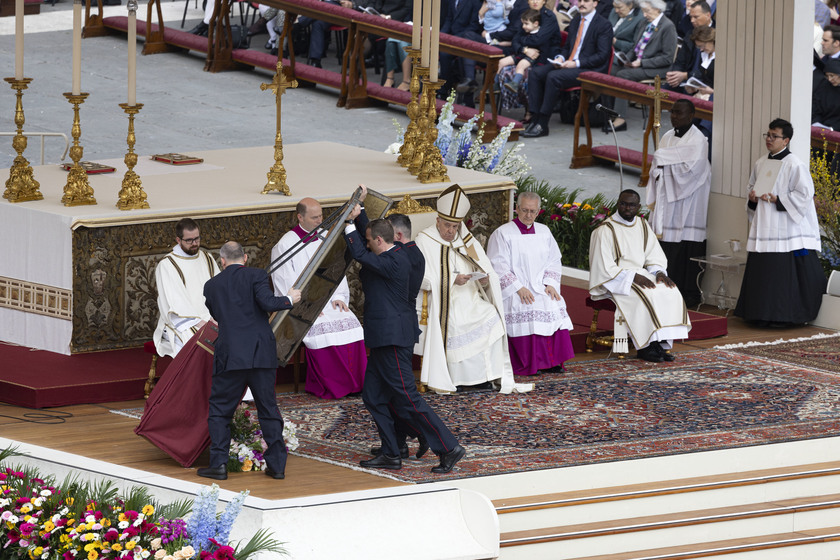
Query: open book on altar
{"points": [[766, 175]]}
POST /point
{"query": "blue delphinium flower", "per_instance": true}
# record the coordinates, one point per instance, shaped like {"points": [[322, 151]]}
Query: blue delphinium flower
{"points": [[201, 525], [229, 516]]}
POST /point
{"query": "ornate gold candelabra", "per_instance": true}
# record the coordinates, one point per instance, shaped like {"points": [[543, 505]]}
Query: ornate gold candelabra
{"points": [[413, 109], [433, 170], [77, 191], [132, 196], [21, 185], [416, 164], [277, 173]]}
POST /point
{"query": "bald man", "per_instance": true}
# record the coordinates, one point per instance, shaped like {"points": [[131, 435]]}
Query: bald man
{"points": [[335, 348]]}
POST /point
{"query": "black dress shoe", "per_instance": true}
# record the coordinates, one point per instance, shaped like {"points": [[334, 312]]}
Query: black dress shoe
{"points": [[423, 448], [536, 130], [649, 353], [378, 451], [274, 474], [219, 473], [200, 29], [382, 462], [666, 357], [448, 460]]}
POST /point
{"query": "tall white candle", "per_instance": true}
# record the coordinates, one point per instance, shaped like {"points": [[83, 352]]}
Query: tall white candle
{"points": [[77, 47], [18, 39], [132, 55], [426, 33], [415, 24], [434, 42]]}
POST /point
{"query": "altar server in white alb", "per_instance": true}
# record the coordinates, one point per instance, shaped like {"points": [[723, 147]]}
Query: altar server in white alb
{"points": [[464, 341], [783, 280], [627, 265], [527, 259], [335, 348], [180, 278], [678, 191]]}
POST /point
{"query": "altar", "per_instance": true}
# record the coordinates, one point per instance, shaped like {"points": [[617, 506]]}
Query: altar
{"points": [[81, 279]]}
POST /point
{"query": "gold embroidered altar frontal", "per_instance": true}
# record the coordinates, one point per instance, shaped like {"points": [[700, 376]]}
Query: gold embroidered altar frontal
{"points": [[105, 258]]}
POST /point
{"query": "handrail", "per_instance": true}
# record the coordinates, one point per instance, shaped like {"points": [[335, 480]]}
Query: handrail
{"points": [[43, 135]]}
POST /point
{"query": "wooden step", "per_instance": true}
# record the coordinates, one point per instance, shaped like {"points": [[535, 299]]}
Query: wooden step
{"points": [[670, 520], [665, 487], [732, 546]]}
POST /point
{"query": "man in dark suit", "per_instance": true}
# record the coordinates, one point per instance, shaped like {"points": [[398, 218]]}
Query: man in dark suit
{"points": [[239, 299], [391, 331], [588, 47], [459, 18]]}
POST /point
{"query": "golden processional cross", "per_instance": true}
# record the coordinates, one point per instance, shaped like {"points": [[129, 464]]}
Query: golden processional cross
{"points": [[277, 173], [658, 95]]}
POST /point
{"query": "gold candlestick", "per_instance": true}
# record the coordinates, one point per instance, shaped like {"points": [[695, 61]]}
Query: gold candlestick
{"points": [[77, 191], [132, 196], [21, 185], [422, 125], [433, 170], [410, 137], [277, 174]]}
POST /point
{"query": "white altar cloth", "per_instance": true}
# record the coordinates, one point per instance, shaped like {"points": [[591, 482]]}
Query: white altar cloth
{"points": [[228, 183]]}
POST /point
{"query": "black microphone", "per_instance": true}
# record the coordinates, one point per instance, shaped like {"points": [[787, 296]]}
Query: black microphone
{"points": [[607, 111]]}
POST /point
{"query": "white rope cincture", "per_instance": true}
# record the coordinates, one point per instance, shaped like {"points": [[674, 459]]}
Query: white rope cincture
{"points": [[775, 342]]}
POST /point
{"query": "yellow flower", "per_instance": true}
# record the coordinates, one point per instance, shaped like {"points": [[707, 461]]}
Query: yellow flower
{"points": [[587, 207], [26, 508], [116, 546], [247, 465], [148, 509], [567, 205], [93, 555], [130, 545], [69, 500], [122, 517], [49, 526]]}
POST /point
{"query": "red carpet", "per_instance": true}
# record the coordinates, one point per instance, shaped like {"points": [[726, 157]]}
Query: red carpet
{"points": [[38, 379]]}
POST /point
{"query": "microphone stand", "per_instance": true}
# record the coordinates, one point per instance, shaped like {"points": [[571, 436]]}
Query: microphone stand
{"points": [[617, 151]]}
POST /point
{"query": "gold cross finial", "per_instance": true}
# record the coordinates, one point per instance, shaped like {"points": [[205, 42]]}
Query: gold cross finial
{"points": [[658, 95]]}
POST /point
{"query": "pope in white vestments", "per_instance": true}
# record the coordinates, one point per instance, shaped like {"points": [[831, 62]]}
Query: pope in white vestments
{"points": [[180, 278], [527, 259], [464, 341], [335, 349], [627, 265], [783, 279], [678, 191]]}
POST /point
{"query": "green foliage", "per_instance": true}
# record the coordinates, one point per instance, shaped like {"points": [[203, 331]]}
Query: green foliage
{"points": [[827, 201], [262, 541], [570, 220]]}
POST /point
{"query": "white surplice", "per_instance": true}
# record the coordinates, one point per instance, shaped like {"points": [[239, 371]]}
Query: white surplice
{"points": [[180, 282], [619, 250], [774, 231], [334, 327], [532, 261], [679, 185], [468, 317]]}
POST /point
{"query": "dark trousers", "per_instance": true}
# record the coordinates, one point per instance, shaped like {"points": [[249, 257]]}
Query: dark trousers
{"points": [[318, 34], [545, 84], [389, 386], [225, 393]]}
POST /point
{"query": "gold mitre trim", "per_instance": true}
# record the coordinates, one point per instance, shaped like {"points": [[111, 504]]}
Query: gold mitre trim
{"points": [[409, 206], [453, 204]]}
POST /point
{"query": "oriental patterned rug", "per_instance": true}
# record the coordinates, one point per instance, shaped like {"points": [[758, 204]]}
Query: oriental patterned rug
{"points": [[816, 352], [599, 411]]}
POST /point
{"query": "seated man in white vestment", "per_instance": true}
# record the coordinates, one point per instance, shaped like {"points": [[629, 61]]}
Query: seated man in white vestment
{"points": [[678, 192], [783, 279], [464, 341], [180, 278], [335, 348], [627, 265], [527, 259]]}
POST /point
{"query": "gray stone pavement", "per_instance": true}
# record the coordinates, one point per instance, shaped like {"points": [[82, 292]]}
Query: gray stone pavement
{"points": [[187, 109]]}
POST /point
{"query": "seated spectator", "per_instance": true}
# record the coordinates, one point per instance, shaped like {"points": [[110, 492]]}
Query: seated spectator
{"points": [[459, 18], [589, 47], [652, 55], [521, 61], [319, 34], [492, 15], [699, 15], [626, 19], [704, 68], [825, 105]]}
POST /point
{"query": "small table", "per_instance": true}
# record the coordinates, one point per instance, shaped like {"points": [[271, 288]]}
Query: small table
{"points": [[729, 266]]}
